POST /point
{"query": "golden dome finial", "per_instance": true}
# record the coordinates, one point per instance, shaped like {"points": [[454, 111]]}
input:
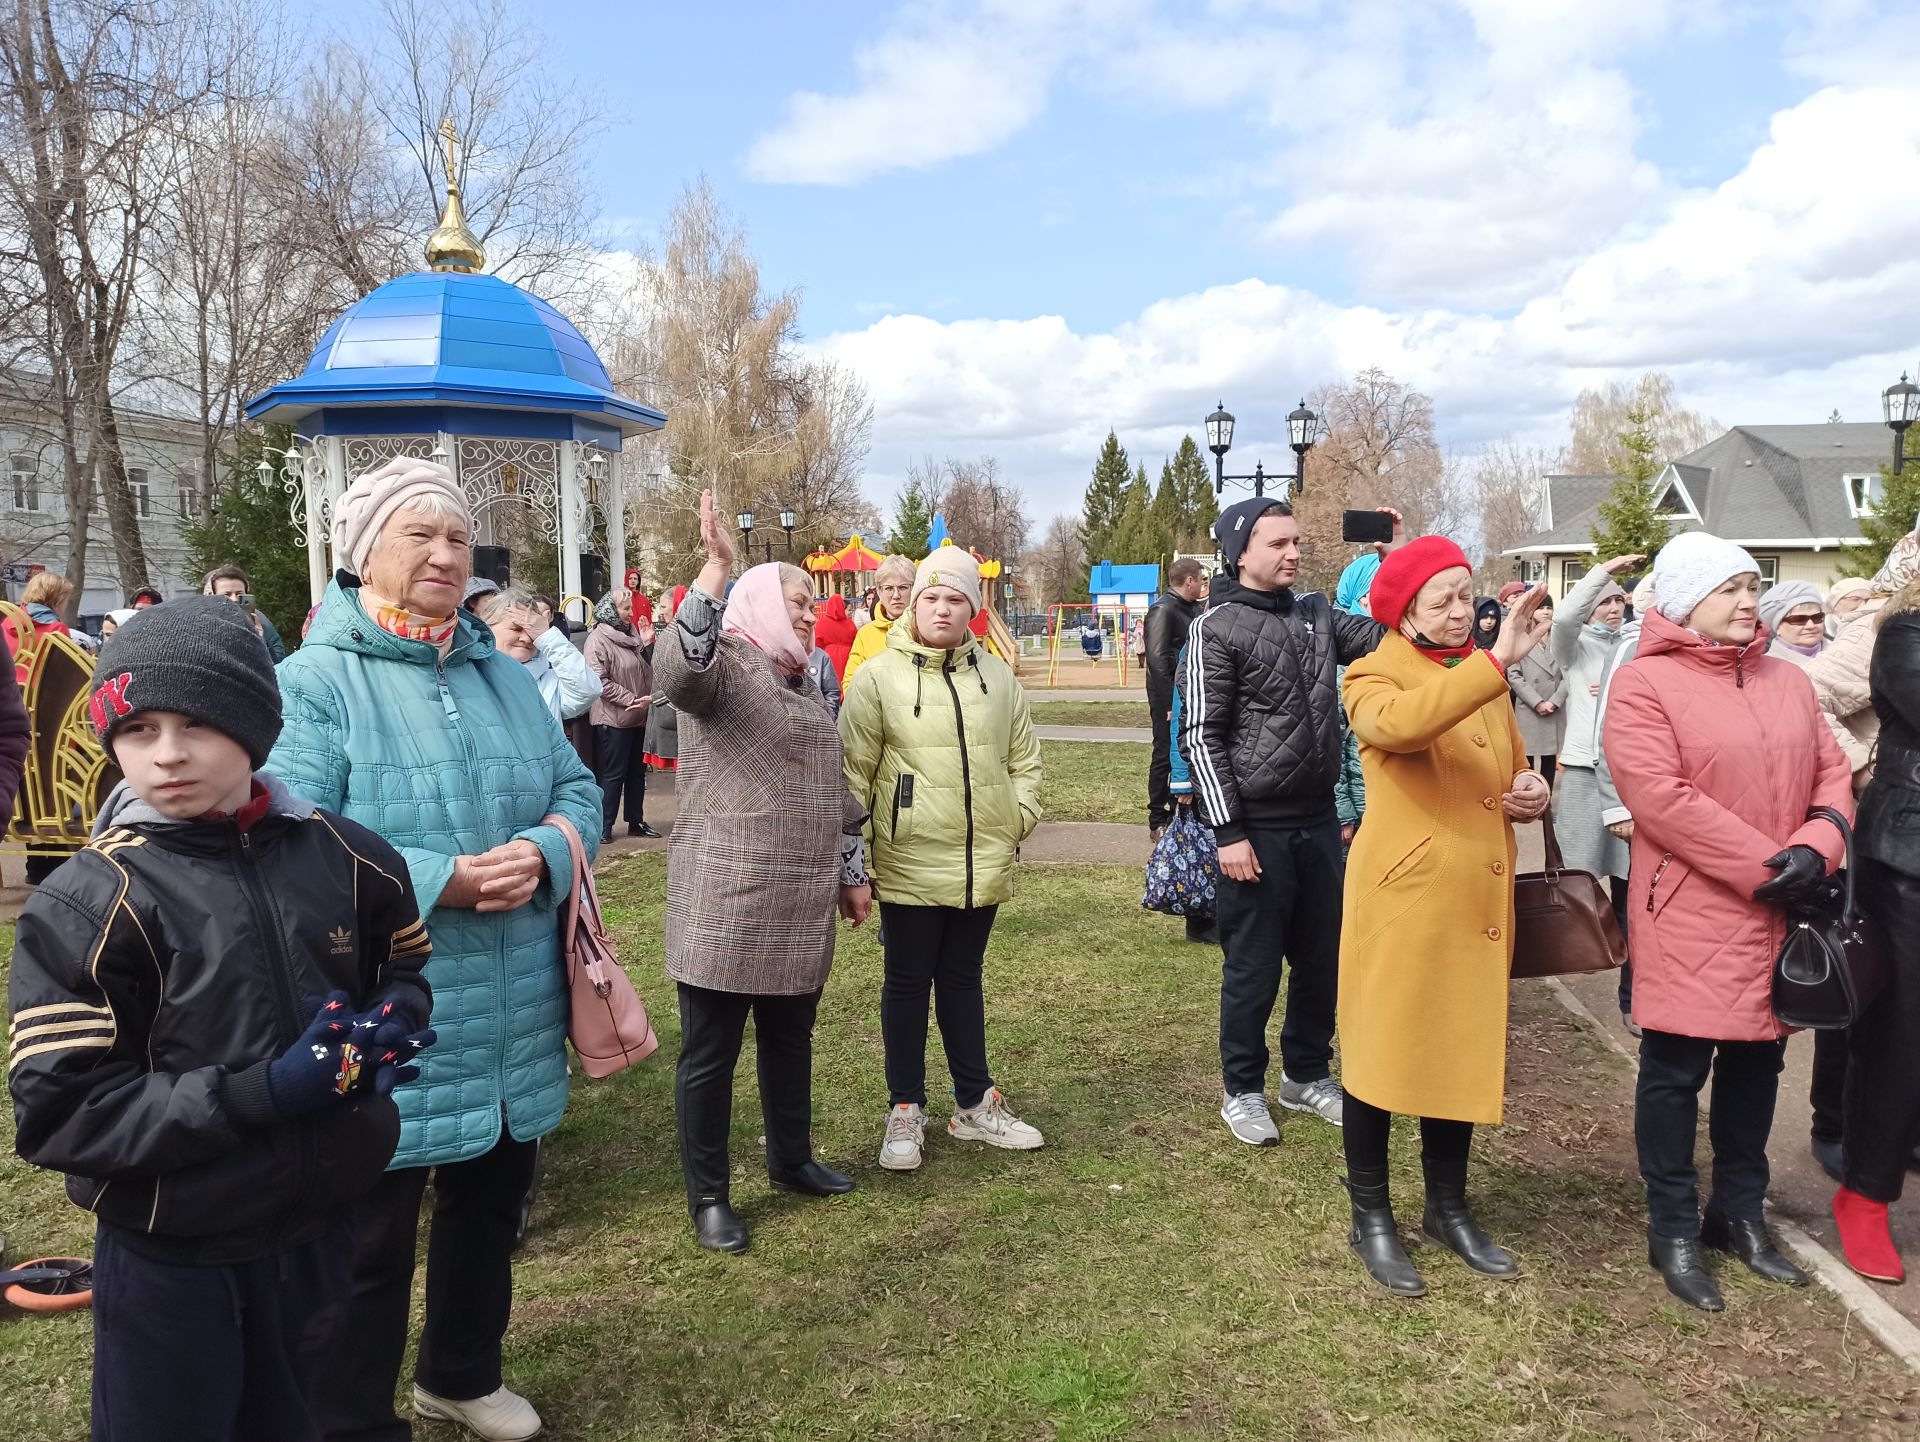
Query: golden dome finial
{"points": [[453, 246]]}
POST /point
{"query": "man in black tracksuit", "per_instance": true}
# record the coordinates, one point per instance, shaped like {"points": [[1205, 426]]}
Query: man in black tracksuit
{"points": [[1168, 621], [211, 1005], [1261, 732]]}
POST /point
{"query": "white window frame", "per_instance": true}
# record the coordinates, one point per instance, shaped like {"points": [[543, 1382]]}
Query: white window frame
{"points": [[1769, 571], [1859, 503], [1573, 570], [1674, 483], [141, 490], [23, 469]]}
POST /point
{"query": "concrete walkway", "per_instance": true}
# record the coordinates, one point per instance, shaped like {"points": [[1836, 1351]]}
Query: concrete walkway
{"points": [[1115, 693], [1093, 733]]}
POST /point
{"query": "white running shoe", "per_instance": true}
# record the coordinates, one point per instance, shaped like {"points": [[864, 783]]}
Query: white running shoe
{"points": [[1247, 1118], [500, 1416], [1323, 1098], [992, 1123], [906, 1131]]}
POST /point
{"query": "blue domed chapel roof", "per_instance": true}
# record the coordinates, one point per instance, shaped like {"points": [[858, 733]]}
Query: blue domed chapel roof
{"points": [[456, 339]]}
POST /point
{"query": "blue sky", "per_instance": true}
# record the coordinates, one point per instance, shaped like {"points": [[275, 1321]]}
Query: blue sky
{"points": [[1024, 221]]}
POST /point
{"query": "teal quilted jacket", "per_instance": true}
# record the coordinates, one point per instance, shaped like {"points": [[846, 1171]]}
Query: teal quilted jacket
{"points": [[446, 761]]}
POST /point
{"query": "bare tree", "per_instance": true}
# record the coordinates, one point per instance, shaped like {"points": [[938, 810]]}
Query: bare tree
{"points": [[1507, 479], [1057, 566], [1600, 417], [983, 510]]}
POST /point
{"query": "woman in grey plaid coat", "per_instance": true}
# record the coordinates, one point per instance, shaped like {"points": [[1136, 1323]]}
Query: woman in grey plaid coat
{"points": [[765, 849]]}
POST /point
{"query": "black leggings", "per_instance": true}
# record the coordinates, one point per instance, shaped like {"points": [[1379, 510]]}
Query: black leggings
{"points": [[1364, 1134], [940, 950]]}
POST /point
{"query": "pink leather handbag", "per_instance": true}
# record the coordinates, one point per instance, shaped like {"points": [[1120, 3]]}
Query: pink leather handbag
{"points": [[607, 1022]]}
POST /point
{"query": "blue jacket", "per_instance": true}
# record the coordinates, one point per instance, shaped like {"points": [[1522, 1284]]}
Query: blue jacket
{"points": [[444, 761], [1179, 778]]}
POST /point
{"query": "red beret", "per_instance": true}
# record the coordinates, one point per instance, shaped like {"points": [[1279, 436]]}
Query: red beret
{"points": [[1512, 589], [1406, 570]]}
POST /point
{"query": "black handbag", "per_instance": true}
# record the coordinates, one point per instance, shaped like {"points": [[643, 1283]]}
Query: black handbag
{"points": [[1832, 964]]}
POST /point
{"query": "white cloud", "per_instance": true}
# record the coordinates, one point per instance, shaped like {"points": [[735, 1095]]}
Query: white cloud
{"points": [[1784, 292]]}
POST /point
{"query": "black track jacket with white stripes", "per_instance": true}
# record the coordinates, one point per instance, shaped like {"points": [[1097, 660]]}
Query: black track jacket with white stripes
{"points": [[1261, 730]]}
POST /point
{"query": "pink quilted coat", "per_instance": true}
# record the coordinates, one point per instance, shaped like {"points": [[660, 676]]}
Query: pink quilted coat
{"points": [[1718, 751]]}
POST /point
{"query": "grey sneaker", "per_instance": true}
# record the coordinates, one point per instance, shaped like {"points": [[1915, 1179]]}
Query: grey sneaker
{"points": [[1247, 1118], [1323, 1098], [906, 1131]]}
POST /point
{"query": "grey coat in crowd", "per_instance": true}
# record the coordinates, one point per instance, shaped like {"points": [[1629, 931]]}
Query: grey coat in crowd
{"points": [[754, 864], [1535, 679]]}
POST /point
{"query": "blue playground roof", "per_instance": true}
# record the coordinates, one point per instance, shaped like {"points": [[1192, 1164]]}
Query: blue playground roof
{"points": [[453, 338], [1111, 580]]}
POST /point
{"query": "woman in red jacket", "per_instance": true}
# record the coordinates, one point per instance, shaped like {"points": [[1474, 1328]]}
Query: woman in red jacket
{"points": [[834, 634], [1718, 749]]}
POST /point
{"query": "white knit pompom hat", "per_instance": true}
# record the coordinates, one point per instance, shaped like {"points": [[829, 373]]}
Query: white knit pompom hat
{"points": [[1691, 567]]}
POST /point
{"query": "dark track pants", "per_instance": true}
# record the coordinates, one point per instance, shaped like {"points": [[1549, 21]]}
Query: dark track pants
{"points": [[1289, 916], [940, 950], [215, 1353]]}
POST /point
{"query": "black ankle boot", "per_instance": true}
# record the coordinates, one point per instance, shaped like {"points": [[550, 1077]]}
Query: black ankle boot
{"points": [[1449, 1222], [1375, 1239], [810, 1179], [1679, 1261], [718, 1228], [1750, 1242]]}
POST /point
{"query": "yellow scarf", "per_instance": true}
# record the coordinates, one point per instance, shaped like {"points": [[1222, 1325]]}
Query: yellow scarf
{"points": [[397, 620]]}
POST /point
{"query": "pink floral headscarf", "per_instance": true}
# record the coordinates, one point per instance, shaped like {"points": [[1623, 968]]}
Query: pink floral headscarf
{"points": [[757, 610]]}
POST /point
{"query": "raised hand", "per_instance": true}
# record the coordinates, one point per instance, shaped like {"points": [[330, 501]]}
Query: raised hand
{"points": [[1620, 565]]}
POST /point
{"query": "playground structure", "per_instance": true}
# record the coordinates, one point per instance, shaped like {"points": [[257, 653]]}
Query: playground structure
{"points": [[1098, 616], [68, 774], [840, 573]]}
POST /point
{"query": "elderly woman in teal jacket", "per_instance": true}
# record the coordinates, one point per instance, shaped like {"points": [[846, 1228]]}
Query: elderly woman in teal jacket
{"points": [[401, 715]]}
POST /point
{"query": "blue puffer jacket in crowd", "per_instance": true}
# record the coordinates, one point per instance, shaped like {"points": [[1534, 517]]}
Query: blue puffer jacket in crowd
{"points": [[444, 761], [1179, 778]]}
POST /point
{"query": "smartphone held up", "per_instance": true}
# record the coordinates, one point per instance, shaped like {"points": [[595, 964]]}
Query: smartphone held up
{"points": [[1366, 528]]}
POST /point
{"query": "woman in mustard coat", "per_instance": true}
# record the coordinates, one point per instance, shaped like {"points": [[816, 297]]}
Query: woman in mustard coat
{"points": [[1427, 951]]}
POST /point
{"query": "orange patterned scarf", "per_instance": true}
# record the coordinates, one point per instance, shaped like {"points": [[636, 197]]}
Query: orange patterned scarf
{"points": [[397, 620]]}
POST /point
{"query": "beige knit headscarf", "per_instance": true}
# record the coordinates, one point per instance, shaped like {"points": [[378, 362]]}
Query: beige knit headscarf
{"points": [[370, 502]]}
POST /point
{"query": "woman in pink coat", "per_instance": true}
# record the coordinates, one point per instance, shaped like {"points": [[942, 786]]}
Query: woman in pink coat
{"points": [[1719, 750]]}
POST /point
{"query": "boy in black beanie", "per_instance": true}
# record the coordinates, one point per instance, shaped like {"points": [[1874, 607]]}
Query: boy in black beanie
{"points": [[211, 1006]]}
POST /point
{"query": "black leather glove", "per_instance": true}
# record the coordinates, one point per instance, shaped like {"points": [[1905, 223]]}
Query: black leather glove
{"points": [[1803, 875]]}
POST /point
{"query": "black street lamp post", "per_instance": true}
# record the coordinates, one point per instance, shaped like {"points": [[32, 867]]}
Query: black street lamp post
{"points": [[788, 520], [1901, 403], [1303, 431]]}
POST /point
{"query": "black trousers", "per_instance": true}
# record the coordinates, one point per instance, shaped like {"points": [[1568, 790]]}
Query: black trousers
{"points": [[712, 1026], [942, 950], [215, 1354], [476, 1212], [1547, 766], [621, 772], [1617, 888], [1291, 915], [1883, 1084], [1827, 1091], [1666, 1116], [1366, 1127], [1159, 769]]}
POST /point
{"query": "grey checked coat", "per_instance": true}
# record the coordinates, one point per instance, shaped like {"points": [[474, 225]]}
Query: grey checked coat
{"points": [[753, 867]]}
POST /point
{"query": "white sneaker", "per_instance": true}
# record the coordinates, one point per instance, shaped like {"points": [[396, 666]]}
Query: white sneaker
{"points": [[1247, 1118], [906, 1130], [500, 1416], [1323, 1098], [992, 1123]]}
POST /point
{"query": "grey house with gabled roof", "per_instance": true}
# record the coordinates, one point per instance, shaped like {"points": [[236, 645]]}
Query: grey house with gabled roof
{"points": [[1792, 495]]}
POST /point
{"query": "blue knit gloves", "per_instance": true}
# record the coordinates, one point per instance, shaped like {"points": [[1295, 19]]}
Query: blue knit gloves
{"points": [[343, 1054]]}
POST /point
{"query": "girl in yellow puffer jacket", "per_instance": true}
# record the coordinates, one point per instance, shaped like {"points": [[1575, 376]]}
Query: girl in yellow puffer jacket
{"points": [[939, 746]]}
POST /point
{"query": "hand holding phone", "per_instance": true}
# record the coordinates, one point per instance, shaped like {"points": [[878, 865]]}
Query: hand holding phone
{"points": [[1366, 528]]}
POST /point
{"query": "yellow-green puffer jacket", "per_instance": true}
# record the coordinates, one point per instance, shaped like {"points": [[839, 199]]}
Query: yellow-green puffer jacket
{"points": [[940, 748]]}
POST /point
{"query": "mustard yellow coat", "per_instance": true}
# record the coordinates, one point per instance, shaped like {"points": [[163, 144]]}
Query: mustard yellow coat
{"points": [[1428, 943]]}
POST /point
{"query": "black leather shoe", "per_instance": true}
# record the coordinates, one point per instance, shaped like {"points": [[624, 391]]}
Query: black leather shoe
{"points": [[1207, 932], [718, 1228], [812, 1179], [1449, 1222], [606, 837], [1750, 1243], [1375, 1239], [1832, 1158], [1678, 1260], [640, 828]]}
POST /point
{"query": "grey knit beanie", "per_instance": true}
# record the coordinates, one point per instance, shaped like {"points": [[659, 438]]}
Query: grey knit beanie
{"points": [[197, 657]]}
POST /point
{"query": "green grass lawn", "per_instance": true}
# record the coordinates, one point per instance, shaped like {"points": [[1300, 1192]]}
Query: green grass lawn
{"points": [[1144, 1276], [1094, 780], [1091, 713]]}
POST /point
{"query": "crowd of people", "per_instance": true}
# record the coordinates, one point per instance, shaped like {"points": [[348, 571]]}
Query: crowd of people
{"points": [[309, 969]]}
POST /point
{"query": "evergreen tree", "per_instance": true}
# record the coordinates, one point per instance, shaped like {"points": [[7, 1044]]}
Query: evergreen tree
{"points": [[1627, 522], [1132, 539], [1199, 507], [1106, 496], [248, 528], [1168, 515], [912, 520], [1896, 511]]}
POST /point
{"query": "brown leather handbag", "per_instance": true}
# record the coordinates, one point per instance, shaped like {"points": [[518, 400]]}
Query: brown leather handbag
{"points": [[1563, 922]]}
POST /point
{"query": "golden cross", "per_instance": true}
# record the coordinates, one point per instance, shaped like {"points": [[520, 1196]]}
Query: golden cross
{"points": [[448, 134]]}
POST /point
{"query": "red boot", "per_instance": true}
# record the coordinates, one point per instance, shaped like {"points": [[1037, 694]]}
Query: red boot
{"points": [[1865, 1239]]}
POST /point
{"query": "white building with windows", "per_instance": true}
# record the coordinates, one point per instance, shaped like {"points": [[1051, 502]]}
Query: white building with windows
{"points": [[1792, 495], [163, 465]]}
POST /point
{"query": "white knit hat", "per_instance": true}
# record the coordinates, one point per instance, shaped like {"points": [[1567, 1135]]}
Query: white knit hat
{"points": [[1691, 567], [948, 566]]}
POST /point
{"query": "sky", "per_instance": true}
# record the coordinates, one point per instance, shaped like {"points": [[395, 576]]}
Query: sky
{"points": [[1023, 222]]}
